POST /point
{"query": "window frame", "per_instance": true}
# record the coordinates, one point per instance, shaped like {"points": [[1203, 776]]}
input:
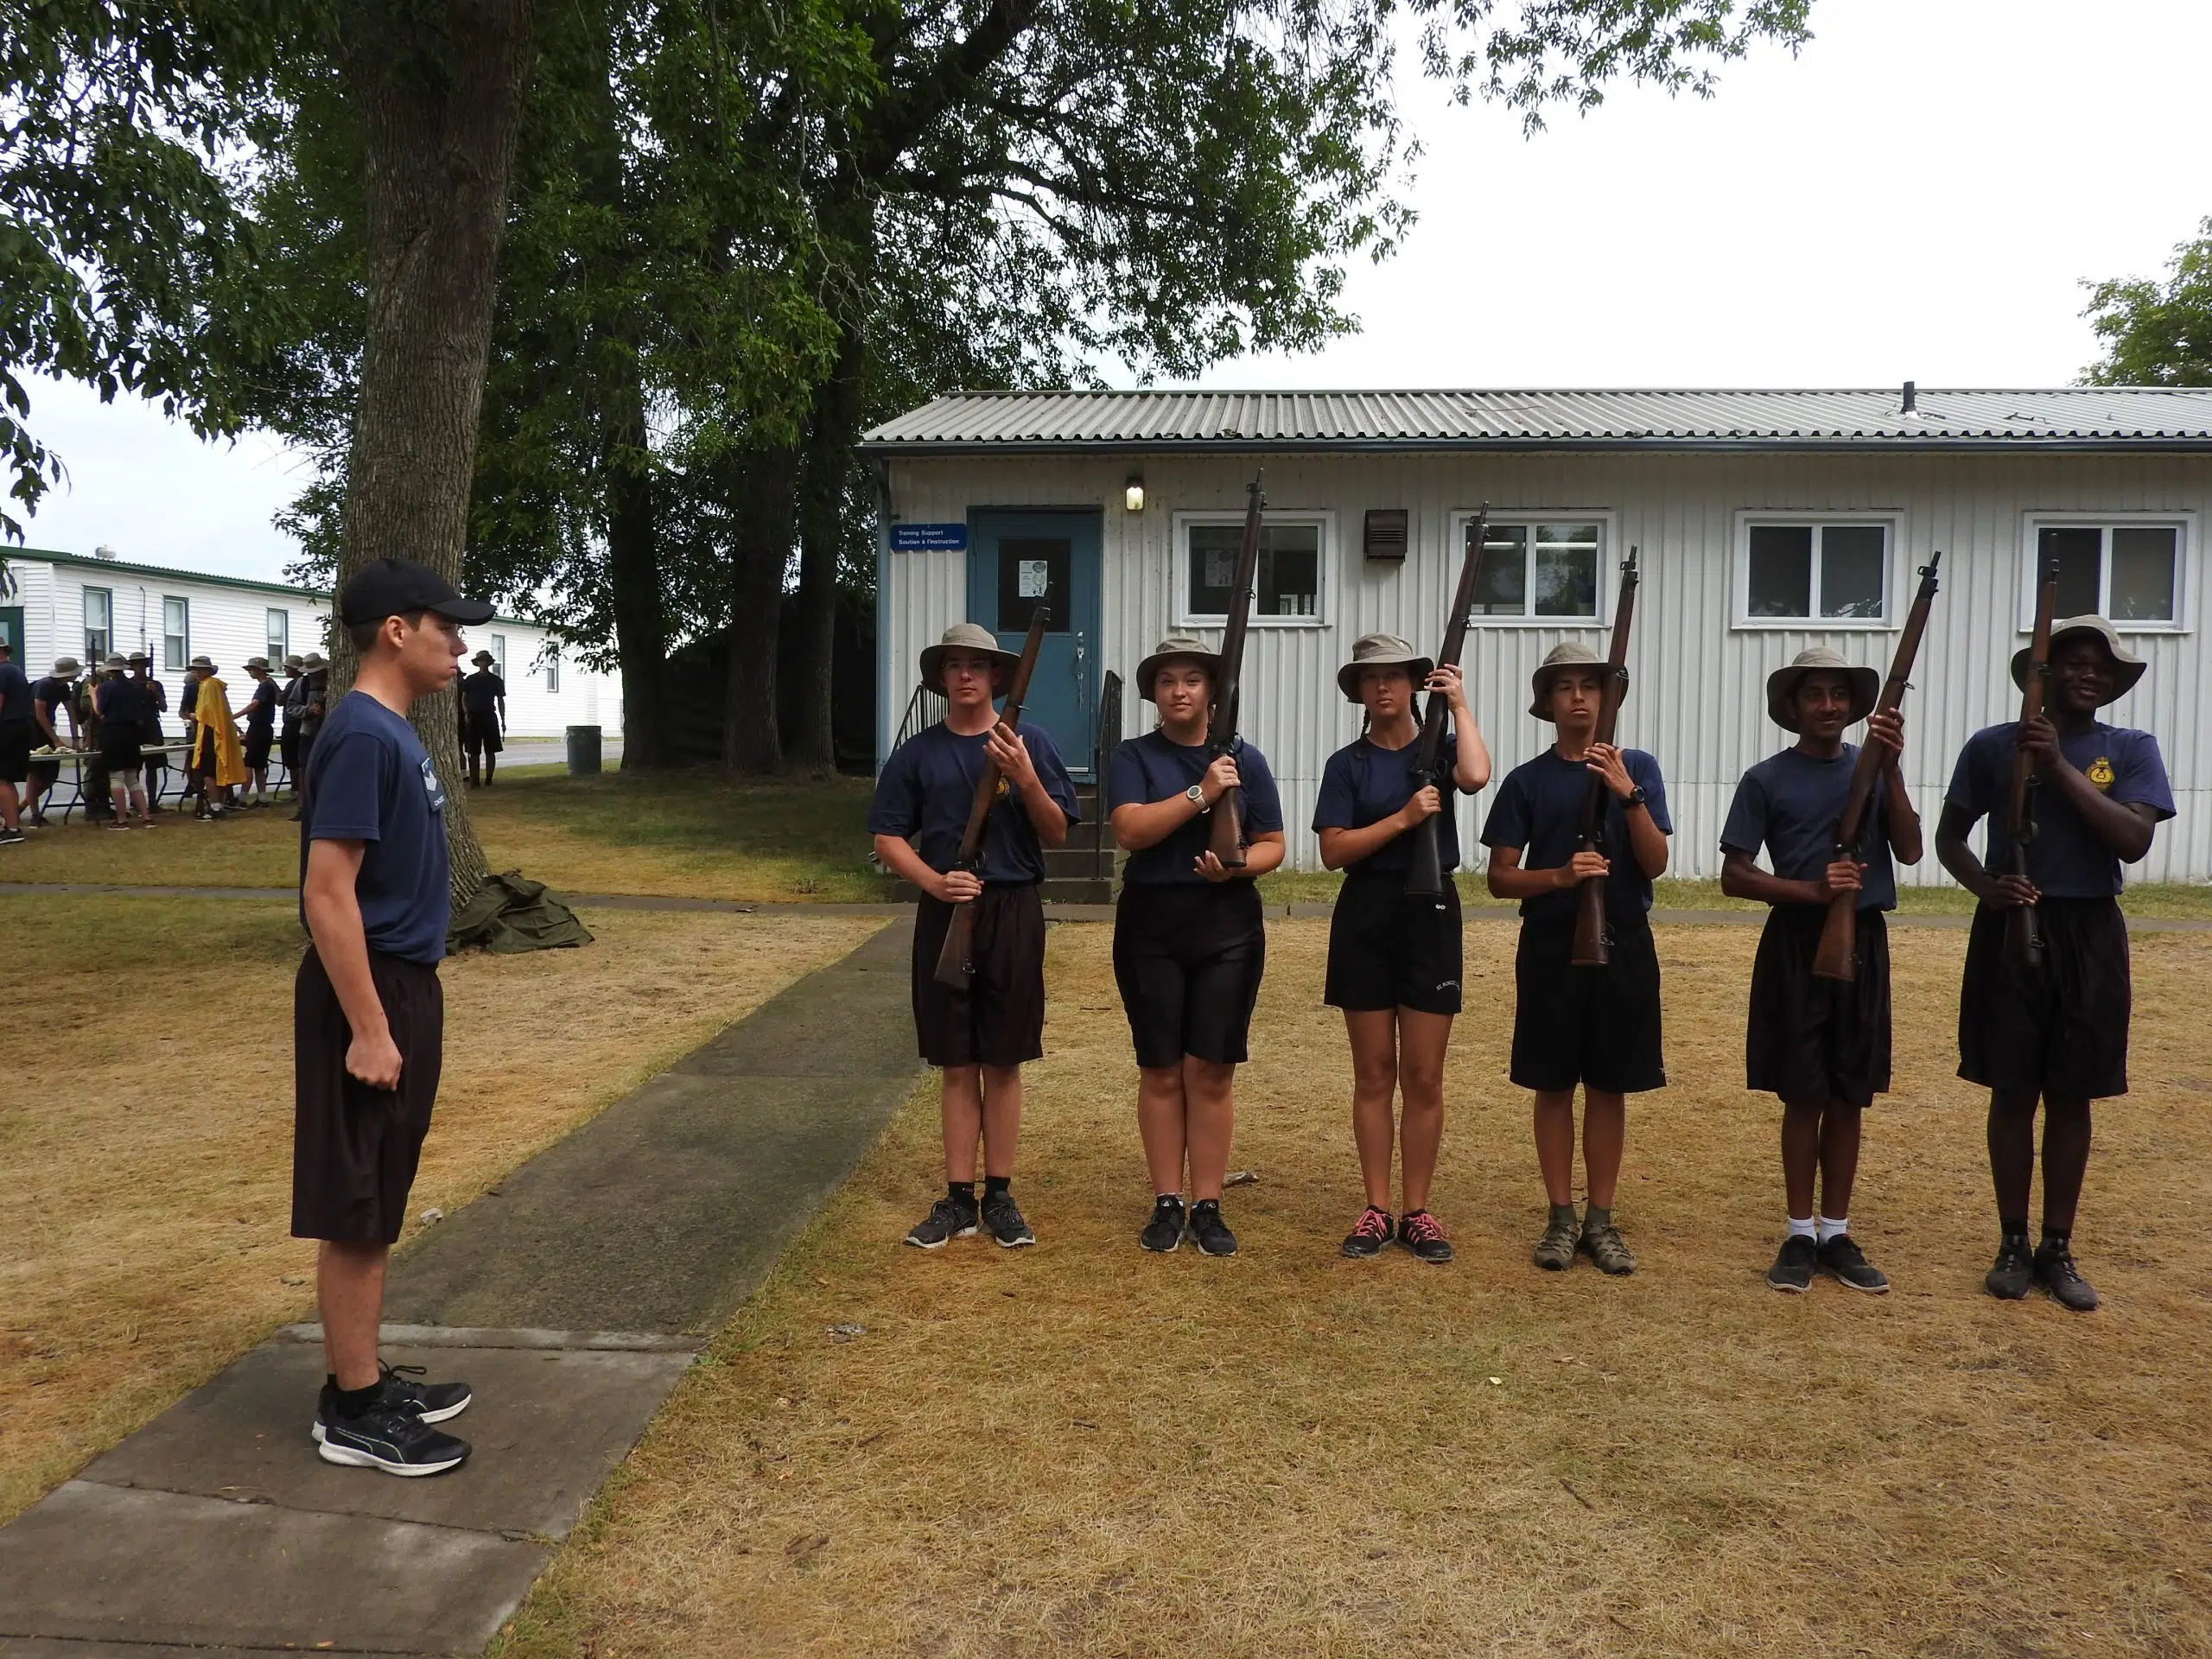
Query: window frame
{"points": [[183, 639], [277, 629], [1608, 559], [1323, 567], [1891, 521], [550, 663], [497, 644], [2182, 521], [84, 625]]}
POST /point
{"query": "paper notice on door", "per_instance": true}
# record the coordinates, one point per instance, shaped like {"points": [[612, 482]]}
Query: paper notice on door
{"points": [[1033, 578], [1221, 567]]}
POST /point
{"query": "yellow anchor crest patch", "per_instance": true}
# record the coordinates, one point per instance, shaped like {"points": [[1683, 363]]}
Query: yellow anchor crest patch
{"points": [[2100, 772]]}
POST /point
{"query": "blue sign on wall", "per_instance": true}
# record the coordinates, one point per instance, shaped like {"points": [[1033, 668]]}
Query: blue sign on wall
{"points": [[929, 538]]}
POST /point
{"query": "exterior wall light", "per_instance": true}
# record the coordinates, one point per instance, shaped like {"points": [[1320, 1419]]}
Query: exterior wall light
{"points": [[1133, 494]]}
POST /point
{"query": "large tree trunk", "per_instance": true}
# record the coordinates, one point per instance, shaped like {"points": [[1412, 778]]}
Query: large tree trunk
{"points": [[633, 576], [438, 87], [751, 740], [831, 434]]}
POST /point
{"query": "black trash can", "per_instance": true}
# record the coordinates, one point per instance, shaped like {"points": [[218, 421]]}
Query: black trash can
{"points": [[583, 751]]}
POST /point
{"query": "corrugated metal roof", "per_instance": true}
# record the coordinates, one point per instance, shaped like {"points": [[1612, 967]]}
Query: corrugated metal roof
{"points": [[2070, 416]]}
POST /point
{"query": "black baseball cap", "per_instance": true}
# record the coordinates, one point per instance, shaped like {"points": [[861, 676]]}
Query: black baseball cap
{"points": [[400, 587]]}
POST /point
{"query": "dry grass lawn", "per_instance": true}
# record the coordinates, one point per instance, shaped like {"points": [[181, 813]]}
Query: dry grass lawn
{"points": [[145, 1124], [1079, 1449]]}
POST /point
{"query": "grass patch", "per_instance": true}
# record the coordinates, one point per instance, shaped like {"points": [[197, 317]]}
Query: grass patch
{"points": [[147, 1204], [1080, 1450]]}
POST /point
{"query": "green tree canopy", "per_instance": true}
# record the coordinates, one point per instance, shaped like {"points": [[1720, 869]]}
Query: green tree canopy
{"points": [[2156, 334]]}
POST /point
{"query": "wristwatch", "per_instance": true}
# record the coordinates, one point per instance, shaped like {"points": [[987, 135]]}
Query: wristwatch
{"points": [[1636, 796], [1196, 794]]}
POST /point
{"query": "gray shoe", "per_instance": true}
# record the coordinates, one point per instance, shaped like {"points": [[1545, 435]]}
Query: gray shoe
{"points": [[2056, 1272], [1601, 1242], [1556, 1251]]}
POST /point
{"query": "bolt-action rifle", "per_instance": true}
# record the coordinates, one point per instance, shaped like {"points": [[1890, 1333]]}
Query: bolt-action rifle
{"points": [[2022, 926], [955, 963], [1425, 877], [1227, 834], [1593, 945]]}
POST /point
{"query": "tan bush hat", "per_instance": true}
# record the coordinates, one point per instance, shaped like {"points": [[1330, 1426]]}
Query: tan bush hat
{"points": [[1173, 645], [1782, 686], [114, 665], [1383, 651], [2127, 666], [484, 659], [67, 666], [312, 663], [1567, 653], [295, 661], [963, 636], [206, 663], [261, 663]]}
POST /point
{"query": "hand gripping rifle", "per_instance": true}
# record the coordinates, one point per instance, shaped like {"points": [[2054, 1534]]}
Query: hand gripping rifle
{"points": [[1425, 877], [1592, 948], [2023, 927], [955, 963], [1226, 838], [1838, 955]]}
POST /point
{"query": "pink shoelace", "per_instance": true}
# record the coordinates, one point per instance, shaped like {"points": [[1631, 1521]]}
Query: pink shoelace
{"points": [[1420, 1227], [1373, 1224]]}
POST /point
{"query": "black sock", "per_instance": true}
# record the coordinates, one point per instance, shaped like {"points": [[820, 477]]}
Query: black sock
{"points": [[2013, 1226], [997, 1183], [2056, 1238], [960, 1191], [1207, 1203], [352, 1403]]}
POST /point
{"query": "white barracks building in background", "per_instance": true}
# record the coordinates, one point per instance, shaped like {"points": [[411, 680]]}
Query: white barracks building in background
{"points": [[85, 606]]}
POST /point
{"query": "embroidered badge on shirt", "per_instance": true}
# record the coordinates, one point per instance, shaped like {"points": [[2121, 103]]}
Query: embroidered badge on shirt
{"points": [[431, 788], [2100, 772]]}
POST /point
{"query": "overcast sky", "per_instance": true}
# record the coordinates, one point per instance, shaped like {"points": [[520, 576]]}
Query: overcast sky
{"points": [[1917, 196]]}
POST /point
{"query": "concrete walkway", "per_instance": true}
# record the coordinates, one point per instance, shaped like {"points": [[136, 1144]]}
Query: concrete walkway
{"points": [[571, 1297]]}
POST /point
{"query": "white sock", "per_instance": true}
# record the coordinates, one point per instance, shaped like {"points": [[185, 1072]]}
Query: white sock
{"points": [[1801, 1229], [1831, 1228]]}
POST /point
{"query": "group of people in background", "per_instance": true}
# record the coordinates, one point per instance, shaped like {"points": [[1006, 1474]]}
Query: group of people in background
{"points": [[110, 718], [1189, 945]]}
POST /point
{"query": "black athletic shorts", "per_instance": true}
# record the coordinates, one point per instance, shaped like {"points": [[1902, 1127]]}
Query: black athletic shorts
{"points": [[1389, 950], [15, 737], [1812, 1041], [119, 747], [2062, 1030], [1596, 1027], [481, 739], [205, 765], [1188, 957], [256, 749], [288, 750], [354, 1148], [1000, 1018]]}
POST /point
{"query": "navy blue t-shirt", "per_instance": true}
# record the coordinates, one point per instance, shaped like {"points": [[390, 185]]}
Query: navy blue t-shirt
{"points": [[1539, 809], [123, 703], [2066, 859], [14, 695], [1152, 768], [1791, 801], [370, 780], [261, 708], [928, 787], [1363, 784]]}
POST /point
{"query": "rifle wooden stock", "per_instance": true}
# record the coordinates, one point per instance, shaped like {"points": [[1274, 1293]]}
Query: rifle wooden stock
{"points": [[1425, 875], [1592, 947], [2022, 926], [956, 962], [1837, 956], [1226, 832]]}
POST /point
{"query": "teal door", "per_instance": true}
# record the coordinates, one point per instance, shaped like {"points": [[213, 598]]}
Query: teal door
{"points": [[1019, 560], [11, 631]]}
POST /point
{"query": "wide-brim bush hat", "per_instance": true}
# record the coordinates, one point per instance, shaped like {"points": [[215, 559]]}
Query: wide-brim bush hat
{"points": [[484, 659], [261, 663], [207, 663], [1186, 645], [295, 661], [114, 665], [312, 663], [1566, 654], [67, 666], [963, 636], [1383, 651], [2127, 666], [137, 657], [1865, 686]]}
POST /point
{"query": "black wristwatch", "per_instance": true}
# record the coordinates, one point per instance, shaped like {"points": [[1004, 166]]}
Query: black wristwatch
{"points": [[1636, 797]]}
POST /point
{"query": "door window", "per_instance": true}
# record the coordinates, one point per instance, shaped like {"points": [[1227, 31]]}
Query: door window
{"points": [[1033, 570]]}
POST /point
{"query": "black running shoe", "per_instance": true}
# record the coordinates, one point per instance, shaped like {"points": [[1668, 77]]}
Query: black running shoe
{"points": [[434, 1402], [1423, 1235], [388, 1437], [1370, 1234], [1793, 1268], [1208, 1231], [949, 1217], [1165, 1229], [2056, 1272], [2015, 1269], [1004, 1218], [10, 837], [1846, 1263]]}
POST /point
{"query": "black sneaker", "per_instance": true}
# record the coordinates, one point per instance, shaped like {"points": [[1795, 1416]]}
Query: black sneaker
{"points": [[434, 1402], [1793, 1267], [10, 837], [1370, 1234], [2014, 1271], [1165, 1229], [1423, 1235], [1208, 1231], [2056, 1272], [1003, 1218], [1846, 1264], [388, 1437], [949, 1217]]}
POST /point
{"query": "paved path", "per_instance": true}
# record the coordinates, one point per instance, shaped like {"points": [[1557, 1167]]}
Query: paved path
{"points": [[572, 1297]]}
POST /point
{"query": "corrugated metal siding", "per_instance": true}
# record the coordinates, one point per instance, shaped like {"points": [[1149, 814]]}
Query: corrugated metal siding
{"points": [[2068, 414], [1698, 701]]}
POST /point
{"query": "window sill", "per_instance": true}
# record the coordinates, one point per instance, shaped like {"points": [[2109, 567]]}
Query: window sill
{"points": [[2156, 630], [1218, 621], [1814, 625], [1580, 623]]}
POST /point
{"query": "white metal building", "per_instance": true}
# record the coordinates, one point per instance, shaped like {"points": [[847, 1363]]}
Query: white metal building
{"points": [[1766, 521], [85, 605]]}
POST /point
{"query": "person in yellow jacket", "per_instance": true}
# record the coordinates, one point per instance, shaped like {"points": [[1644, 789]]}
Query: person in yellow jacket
{"points": [[218, 759]]}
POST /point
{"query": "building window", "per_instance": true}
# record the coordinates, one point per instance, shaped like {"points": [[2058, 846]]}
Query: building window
{"points": [[2129, 573], [1288, 589], [280, 636], [1545, 570], [499, 650], [176, 634], [99, 613], [552, 666], [1828, 574]]}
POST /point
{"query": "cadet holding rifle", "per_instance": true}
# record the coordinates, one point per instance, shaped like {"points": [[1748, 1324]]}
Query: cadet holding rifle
{"points": [[1821, 1044], [2053, 1026], [979, 1036]]}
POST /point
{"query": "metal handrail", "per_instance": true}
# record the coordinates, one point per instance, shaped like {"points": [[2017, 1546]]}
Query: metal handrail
{"points": [[923, 709]]}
